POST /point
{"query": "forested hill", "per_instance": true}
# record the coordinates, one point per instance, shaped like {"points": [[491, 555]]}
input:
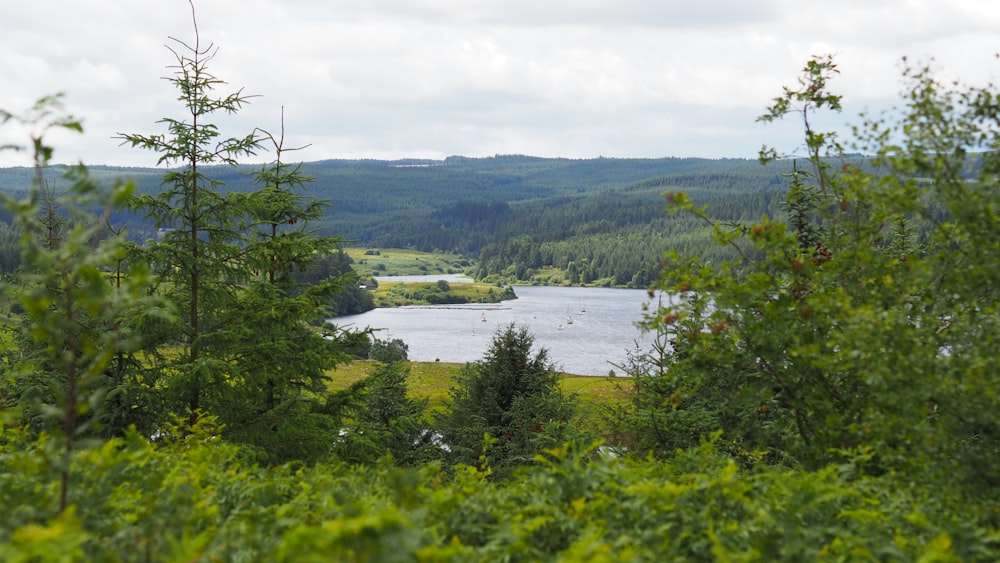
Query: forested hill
{"points": [[599, 220]]}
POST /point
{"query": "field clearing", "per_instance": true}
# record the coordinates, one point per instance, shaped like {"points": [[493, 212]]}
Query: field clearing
{"points": [[370, 262], [398, 294], [432, 380]]}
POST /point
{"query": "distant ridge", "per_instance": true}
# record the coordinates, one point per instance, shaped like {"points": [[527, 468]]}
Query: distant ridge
{"points": [[606, 213]]}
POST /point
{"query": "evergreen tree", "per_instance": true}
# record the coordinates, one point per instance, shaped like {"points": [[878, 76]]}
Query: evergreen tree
{"points": [[506, 407], [225, 260], [199, 259], [278, 361], [385, 421]]}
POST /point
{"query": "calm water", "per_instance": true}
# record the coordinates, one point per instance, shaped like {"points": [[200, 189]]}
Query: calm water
{"points": [[586, 330]]}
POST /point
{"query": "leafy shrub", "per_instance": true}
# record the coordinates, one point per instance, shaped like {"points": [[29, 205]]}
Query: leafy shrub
{"points": [[506, 407], [388, 351], [864, 322]]}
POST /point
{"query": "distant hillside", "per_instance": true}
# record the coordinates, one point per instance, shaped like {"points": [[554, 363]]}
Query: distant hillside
{"points": [[604, 215]]}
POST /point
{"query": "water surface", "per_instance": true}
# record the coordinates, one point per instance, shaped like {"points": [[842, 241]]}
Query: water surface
{"points": [[586, 330]]}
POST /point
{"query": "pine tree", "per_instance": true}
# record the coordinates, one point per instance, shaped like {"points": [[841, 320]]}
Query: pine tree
{"points": [[506, 407], [225, 261], [279, 360], [198, 261]]}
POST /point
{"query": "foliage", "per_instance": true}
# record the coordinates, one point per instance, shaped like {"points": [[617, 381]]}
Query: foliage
{"points": [[507, 407], [388, 351], [847, 356], [194, 500], [198, 259], [76, 329], [226, 262], [590, 221], [349, 299], [386, 421], [837, 334]]}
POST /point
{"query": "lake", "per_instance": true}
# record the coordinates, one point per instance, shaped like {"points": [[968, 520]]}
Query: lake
{"points": [[586, 330]]}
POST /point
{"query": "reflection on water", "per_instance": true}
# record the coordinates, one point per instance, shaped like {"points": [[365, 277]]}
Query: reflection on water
{"points": [[586, 330]]}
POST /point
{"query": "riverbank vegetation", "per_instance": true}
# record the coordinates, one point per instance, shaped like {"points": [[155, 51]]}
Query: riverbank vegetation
{"points": [[378, 262], [429, 381], [828, 391], [441, 292]]}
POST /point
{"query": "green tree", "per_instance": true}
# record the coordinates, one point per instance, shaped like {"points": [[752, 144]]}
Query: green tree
{"points": [[386, 421], [506, 407], [225, 260], [351, 299], [278, 362], [281, 214], [77, 319], [389, 351], [198, 261], [824, 339]]}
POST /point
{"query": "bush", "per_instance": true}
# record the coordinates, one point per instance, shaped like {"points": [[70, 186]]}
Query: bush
{"points": [[388, 352], [864, 322], [384, 420], [507, 407]]}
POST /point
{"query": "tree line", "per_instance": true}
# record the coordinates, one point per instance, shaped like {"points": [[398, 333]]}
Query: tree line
{"points": [[472, 207]]}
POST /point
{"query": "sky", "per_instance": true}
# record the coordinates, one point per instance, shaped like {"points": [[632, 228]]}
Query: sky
{"points": [[393, 79]]}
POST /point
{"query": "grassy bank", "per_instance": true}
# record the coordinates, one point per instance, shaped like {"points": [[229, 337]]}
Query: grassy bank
{"points": [[432, 380], [371, 262], [398, 294]]}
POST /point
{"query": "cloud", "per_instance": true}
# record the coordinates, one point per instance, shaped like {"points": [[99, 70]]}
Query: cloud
{"points": [[394, 78]]}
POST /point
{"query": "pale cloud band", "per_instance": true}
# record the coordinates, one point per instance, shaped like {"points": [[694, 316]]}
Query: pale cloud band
{"points": [[404, 78]]}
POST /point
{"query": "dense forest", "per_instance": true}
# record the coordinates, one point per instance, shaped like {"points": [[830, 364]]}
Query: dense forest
{"points": [[597, 221], [828, 392]]}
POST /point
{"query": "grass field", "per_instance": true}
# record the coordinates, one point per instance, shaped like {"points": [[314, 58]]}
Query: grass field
{"points": [[370, 262], [397, 294], [404, 262], [432, 380]]}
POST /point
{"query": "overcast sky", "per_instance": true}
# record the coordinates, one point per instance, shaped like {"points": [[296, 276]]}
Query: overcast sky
{"points": [[394, 79]]}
